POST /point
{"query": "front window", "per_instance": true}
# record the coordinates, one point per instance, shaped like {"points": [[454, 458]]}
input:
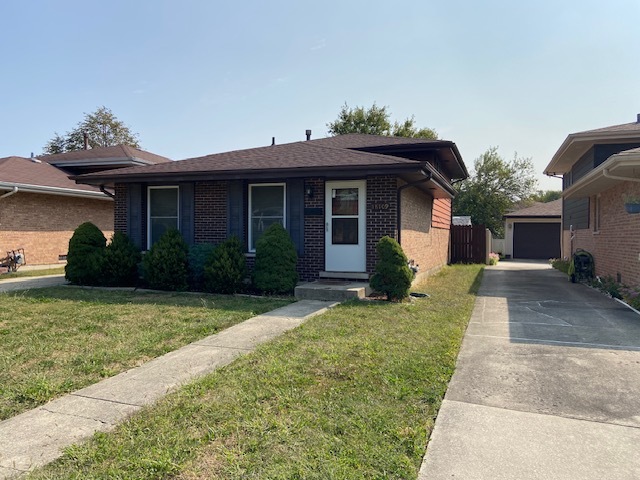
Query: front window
{"points": [[163, 212], [266, 206]]}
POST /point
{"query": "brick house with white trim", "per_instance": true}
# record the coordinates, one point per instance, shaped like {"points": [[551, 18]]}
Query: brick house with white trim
{"points": [[336, 197], [601, 171], [40, 206]]}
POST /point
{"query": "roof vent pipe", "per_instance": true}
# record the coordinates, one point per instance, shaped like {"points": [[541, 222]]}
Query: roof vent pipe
{"points": [[273, 141], [308, 132], [85, 137], [34, 159], [638, 118]]}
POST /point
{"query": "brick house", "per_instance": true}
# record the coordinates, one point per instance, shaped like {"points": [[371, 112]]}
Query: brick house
{"points": [[336, 197], [601, 170], [40, 206]]}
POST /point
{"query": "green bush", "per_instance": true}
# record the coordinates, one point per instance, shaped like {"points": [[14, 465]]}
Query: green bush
{"points": [[122, 258], [226, 268], [276, 259], [86, 256], [560, 264], [392, 276], [165, 265], [198, 255]]}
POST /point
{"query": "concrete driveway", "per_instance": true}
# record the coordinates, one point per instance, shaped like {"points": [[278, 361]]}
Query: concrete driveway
{"points": [[547, 384]]}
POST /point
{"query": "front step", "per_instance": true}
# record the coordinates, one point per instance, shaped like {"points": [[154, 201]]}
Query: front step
{"points": [[332, 290]]}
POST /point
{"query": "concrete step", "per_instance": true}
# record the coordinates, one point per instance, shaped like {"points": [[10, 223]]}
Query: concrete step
{"points": [[332, 290]]}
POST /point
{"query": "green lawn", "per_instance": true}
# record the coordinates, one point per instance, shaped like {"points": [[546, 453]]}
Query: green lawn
{"points": [[57, 340], [351, 394], [32, 273]]}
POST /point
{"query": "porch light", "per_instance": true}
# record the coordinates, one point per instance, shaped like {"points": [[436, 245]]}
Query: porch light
{"points": [[308, 191]]}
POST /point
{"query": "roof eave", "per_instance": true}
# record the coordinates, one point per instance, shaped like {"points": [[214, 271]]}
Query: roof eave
{"points": [[43, 189], [618, 168]]}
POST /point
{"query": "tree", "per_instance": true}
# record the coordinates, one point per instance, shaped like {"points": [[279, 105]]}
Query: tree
{"points": [[546, 196], [494, 188], [103, 129], [375, 121]]}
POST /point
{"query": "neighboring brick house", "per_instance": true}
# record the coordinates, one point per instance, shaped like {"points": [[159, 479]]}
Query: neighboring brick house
{"points": [[336, 196], [600, 170], [40, 206], [534, 232]]}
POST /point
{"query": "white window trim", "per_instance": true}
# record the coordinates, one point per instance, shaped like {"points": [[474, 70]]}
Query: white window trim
{"points": [[284, 208], [160, 187]]}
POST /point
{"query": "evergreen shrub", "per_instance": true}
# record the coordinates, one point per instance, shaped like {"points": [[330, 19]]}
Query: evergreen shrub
{"points": [[86, 255], [392, 276], [164, 266], [122, 258], [226, 268], [198, 255], [276, 259]]}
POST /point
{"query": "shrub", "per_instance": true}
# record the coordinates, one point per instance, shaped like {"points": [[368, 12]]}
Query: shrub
{"points": [[198, 255], [276, 259], [631, 296], [226, 268], [493, 258], [560, 264], [165, 264], [608, 285], [86, 255], [121, 262], [392, 276]]}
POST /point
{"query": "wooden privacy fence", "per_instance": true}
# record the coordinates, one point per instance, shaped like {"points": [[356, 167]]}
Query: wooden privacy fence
{"points": [[468, 244]]}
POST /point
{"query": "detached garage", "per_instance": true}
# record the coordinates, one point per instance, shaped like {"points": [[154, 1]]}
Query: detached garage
{"points": [[534, 232]]}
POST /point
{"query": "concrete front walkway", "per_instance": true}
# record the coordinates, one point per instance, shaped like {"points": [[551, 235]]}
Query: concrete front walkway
{"points": [[547, 384], [37, 437], [23, 283]]}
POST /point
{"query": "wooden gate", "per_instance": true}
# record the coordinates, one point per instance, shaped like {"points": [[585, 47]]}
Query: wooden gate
{"points": [[468, 244]]}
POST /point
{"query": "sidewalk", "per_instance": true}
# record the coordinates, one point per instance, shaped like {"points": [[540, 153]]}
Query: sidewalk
{"points": [[547, 385], [23, 283], [37, 437]]}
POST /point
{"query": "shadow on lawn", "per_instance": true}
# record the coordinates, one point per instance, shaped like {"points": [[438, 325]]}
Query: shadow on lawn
{"points": [[141, 297]]}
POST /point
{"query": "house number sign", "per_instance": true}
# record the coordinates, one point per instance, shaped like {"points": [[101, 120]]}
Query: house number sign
{"points": [[381, 206]]}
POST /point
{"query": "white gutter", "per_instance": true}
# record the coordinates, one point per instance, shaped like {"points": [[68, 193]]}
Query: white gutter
{"points": [[8, 194], [606, 173], [67, 192]]}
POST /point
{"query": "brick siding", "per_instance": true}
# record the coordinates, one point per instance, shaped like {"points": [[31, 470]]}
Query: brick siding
{"points": [[43, 224], [422, 241], [616, 246], [312, 262], [381, 190], [210, 212]]}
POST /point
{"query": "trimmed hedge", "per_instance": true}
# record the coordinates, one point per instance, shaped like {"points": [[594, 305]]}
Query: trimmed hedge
{"points": [[165, 264], [86, 256], [226, 268], [392, 276], [276, 259]]}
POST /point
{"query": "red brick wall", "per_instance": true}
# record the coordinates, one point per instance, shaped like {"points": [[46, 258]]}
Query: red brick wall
{"points": [[617, 244], [381, 190], [210, 212], [43, 224], [421, 240]]}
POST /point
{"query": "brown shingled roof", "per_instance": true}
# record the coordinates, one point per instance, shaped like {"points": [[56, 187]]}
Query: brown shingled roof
{"points": [[549, 209], [24, 171], [300, 156], [123, 152], [361, 141]]}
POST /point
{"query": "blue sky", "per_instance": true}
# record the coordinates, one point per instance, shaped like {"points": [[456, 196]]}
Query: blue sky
{"points": [[198, 77]]}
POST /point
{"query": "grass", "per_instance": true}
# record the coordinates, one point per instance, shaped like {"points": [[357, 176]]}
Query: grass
{"points": [[32, 273], [350, 394], [57, 340]]}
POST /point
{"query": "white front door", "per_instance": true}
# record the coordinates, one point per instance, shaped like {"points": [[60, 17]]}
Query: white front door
{"points": [[345, 226]]}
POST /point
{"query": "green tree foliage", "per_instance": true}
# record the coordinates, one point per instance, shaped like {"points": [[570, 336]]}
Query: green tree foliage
{"points": [[375, 121], [226, 268], [86, 256], [121, 262], [198, 255], [102, 128], [276, 259], [494, 188], [165, 264], [392, 276], [546, 196]]}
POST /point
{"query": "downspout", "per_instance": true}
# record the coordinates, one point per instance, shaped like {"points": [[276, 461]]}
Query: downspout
{"points": [[8, 194], [399, 201], [606, 173], [106, 192]]}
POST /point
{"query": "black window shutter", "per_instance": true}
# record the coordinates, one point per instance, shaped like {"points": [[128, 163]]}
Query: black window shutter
{"points": [[134, 213], [295, 213], [186, 212], [235, 210]]}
